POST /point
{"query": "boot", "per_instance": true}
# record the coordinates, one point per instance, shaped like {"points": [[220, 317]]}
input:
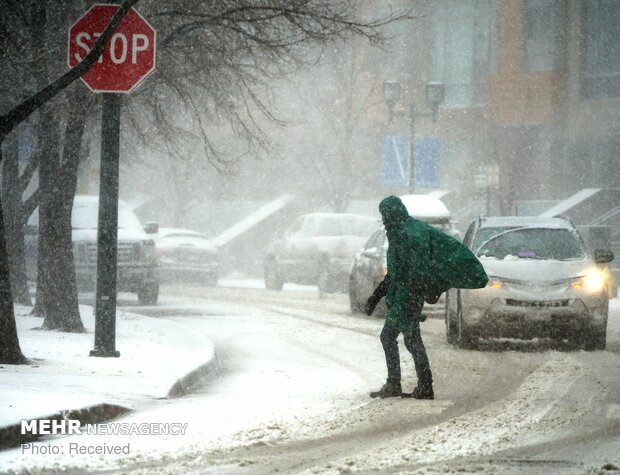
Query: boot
{"points": [[388, 390], [421, 392]]}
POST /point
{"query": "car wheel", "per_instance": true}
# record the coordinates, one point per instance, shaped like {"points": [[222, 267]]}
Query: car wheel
{"points": [[148, 294], [273, 280], [594, 340], [324, 280], [356, 305], [465, 336], [452, 329]]}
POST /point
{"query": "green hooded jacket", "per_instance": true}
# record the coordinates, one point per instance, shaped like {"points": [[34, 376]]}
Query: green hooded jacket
{"points": [[422, 263]]}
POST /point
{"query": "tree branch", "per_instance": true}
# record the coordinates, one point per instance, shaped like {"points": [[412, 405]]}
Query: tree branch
{"points": [[19, 113]]}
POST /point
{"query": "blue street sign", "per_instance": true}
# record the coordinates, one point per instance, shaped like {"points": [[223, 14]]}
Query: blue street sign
{"points": [[395, 165], [427, 162]]}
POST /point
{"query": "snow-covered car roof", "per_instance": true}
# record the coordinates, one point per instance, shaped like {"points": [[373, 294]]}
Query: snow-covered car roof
{"points": [[179, 237], [84, 214], [327, 215], [85, 211], [338, 224], [425, 206], [165, 232], [526, 221]]}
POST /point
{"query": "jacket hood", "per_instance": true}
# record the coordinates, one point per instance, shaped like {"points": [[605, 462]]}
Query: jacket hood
{"points": [[393, 211]]}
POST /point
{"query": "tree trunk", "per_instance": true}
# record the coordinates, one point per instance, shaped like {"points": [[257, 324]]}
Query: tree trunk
{"points": [[10, 351], [58, 182], [14, 223]]}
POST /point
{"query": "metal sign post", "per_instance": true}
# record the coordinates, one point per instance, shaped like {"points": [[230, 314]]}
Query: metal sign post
{"points": [[107, 232], [128, 58]]}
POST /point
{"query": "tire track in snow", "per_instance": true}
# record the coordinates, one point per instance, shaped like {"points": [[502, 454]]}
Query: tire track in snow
{"points": [[504, 424]]}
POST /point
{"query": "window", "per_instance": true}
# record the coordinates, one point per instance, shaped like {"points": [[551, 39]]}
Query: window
{"points": [[601, 49], [544, 34], [464, 49]]}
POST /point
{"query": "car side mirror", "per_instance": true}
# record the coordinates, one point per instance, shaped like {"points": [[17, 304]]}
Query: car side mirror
{"points": [[602, 256], [151, 228], [370, 252]]}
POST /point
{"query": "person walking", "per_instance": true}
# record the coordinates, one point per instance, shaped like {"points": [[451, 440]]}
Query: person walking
{"points": [[422, 263]]}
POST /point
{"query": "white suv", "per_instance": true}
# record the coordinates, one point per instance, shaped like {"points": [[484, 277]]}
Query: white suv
{"points": [[137, 261], [543, 282]]}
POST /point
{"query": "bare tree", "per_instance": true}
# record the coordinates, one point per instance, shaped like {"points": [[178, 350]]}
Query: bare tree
{"points": [[12, 202], [220, 62], [10, 350], [217, 61], [336, 164]]}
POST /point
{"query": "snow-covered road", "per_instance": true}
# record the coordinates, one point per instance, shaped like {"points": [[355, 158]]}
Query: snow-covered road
{"points": [[291, 397], [305, 366]]}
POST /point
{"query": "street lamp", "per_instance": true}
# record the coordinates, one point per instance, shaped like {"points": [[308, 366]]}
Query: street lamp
{"points": [[391, 95], [434, 97]]}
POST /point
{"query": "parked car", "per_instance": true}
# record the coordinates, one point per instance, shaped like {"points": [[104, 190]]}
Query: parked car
{"points": [[317, 248], [137, 263], [543, 282], [186, 256], [370, 266]]}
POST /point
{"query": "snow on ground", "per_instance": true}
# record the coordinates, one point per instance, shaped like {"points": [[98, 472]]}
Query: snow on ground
{"points": [[282, 380], [239, 282], [502, 425], [154, 354], [274, 379]]}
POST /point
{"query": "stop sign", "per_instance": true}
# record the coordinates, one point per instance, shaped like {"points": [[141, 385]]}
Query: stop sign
{"points": [[129, 55]]}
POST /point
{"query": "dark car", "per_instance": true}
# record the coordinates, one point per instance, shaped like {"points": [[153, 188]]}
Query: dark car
{"points": [[186, 256], [317, 249], [543, 282], [370, 266]]}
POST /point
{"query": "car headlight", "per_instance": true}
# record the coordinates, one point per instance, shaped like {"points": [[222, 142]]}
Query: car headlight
{"points": [[495, 283], [591, 282]]}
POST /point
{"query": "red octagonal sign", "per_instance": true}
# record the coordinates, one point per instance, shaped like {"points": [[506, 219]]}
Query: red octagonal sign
{"points": [[129, 55]]}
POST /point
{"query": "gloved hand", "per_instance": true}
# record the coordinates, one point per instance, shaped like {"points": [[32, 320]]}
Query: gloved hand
{"points": [[377, 295], [370, 305]]}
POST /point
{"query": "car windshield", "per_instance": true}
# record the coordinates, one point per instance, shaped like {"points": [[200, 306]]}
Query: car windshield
{"points": [[338, 226], [84, 216], [484, 234], [533, 243]]}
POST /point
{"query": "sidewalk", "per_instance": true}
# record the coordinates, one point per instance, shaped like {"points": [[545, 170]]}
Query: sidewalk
{"points": [[159, 359]]}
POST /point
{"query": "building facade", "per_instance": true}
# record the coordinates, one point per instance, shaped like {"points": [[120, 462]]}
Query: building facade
{"points": [[531, 90]]}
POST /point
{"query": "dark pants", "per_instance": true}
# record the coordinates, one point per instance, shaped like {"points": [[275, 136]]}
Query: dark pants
{"points": [[414, 344]]}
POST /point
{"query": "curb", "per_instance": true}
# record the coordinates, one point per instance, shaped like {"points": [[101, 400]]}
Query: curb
{"points": [[192, 380], [11, 436]]}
